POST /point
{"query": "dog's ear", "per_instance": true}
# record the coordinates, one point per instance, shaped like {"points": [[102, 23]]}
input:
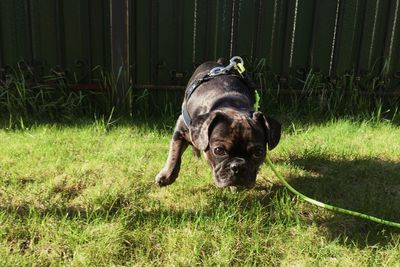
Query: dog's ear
{"points": [[200, 128], [272, 129]]}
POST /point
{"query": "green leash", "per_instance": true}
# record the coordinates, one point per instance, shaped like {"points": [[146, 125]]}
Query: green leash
{"points": [[327, 206], [241, 69]]}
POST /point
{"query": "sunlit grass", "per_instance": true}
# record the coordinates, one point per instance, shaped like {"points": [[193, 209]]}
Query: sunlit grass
{"points": [[84, 195]]}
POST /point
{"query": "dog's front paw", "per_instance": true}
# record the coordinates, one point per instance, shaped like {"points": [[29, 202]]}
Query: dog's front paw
{"points": [[163, 179]]}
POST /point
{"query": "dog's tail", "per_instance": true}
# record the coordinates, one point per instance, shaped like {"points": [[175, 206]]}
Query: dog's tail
{"points": [[221, 61]]}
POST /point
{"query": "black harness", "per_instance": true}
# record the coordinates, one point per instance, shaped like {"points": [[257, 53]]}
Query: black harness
{"points": [[244, 77], [188, 93]]}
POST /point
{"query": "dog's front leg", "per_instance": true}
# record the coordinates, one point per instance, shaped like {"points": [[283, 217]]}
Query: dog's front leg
{"points": [[177, 146]]}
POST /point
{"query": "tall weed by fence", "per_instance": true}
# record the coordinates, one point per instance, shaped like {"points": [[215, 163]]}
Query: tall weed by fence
{"points": [[54, 97], [312, 93], [25, 98]]}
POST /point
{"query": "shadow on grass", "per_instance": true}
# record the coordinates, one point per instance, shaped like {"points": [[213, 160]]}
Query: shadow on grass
{"points": [[166, 121], [368, 185]]}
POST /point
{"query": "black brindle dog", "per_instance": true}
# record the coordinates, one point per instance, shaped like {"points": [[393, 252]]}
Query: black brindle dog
{"points": [[218, 118]]}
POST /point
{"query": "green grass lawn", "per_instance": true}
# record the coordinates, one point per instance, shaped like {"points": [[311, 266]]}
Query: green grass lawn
{"points": [[83, 196]]}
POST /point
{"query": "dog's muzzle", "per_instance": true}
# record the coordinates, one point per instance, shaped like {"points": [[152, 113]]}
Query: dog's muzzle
{"points": [[235, 172]]}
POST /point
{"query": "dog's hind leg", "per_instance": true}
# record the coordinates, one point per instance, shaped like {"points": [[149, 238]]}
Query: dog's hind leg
{"points": [[172, 166]]}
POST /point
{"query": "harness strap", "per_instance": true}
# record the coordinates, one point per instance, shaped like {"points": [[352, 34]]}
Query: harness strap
{"points": [[217, 71], [189, 91], [196, 83]]}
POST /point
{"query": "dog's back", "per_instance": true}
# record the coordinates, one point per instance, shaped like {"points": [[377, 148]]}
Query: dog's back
{"points": [[221, 91]]}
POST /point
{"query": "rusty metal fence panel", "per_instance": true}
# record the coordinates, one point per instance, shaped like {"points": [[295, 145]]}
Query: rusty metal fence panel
{"points": [[167, 39]]}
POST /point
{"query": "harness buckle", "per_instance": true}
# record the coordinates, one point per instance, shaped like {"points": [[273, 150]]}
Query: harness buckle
{"points": [[235, 62], [217, 71]]}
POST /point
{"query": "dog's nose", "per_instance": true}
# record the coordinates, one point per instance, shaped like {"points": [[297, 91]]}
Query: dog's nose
{"points": [[236, 167]]}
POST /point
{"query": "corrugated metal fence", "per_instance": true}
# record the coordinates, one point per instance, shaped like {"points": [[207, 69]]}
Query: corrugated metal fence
{"points": [[165, 40], [68, 35]]}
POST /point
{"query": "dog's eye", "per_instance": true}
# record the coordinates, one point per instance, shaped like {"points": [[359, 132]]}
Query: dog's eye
{"points": [[219, 151], [258, 152]]}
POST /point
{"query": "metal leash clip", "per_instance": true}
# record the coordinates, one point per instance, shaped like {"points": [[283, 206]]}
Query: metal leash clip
{"points": [[217, 71], [234, 62]]}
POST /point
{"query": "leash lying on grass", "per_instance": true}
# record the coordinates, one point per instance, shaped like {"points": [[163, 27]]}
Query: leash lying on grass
{"points": [[327, 206], [237, 64]]}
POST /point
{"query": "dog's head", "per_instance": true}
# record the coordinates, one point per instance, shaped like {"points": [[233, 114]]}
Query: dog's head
{"points": [[235, 143]]}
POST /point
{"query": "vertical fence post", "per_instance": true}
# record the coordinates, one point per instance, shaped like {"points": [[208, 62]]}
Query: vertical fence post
{"points": [[119, 23]]}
